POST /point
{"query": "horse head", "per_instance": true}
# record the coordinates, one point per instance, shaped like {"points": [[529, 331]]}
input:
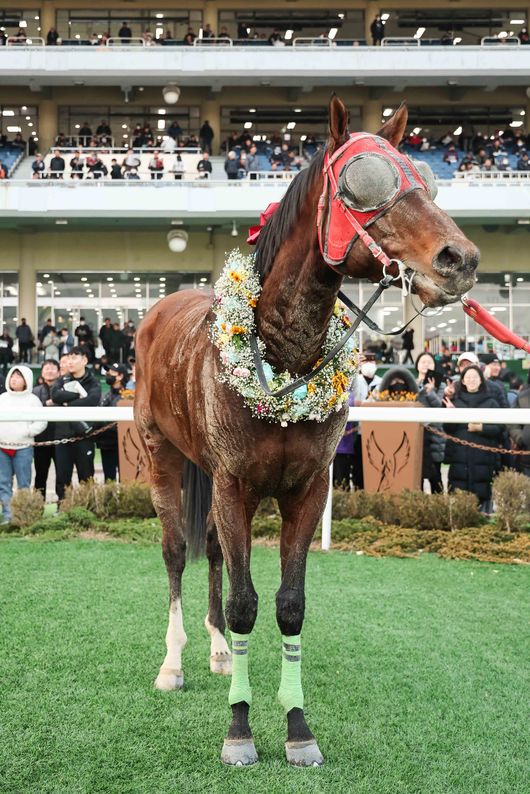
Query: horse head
{"points": [[377, 208]]}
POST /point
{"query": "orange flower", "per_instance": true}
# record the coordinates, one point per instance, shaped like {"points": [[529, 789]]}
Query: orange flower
{"points": [[223, 326], [311, 388], [346, 321], [238, 329], [332, 401], [253, 301], [235, 276], [339, 382]]}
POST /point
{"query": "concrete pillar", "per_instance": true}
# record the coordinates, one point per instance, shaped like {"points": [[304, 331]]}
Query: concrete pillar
{"points": [[211, 111], [47, 124], [417, 325], [371, 10], [209, 15], [371, 114], [27, 292], [47, 19]]}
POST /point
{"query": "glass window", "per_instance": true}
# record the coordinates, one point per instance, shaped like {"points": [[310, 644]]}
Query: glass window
{"points": [[28, 20], [82, 24]]}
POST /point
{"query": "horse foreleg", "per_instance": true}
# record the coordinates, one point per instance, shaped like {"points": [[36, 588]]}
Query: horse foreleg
{"points": [[300, 511], [233, 507], [220, 656]]}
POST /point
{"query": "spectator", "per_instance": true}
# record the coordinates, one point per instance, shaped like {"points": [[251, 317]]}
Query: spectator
{"points": [[253, 163], [115, 169], [365, 384], [524, 38], [94, 40], [344, 457], [129, 332], [131, 383], [84, 333], [130, 161], [117, 343], [494, 383], [204, 166], [105, 335], [408, 345], [24, 335], [275, 38], [132, 174], [3, 171], [224, 34], [96, 167], [6, 351], [451, 155], [16, 452], [50, 345], [520, 434], [45, 330], [38, 167], [108, 441], [206, 136], [156, 166], [57, 165], [207, 32], [447, 38], [18, 142], [63, 363], [431, 396], [242, 30], [85, 133], [472, 469], [77, 165], [78, 388], [125, 32], [231, 165], [515, 387], [87, 350], [178, 168], [66, 343], [43, 456], [104, 129], [189, 38], [488, 166], [377, 30], [51, 38], [242, 170], [523, 163], [175, 130]]}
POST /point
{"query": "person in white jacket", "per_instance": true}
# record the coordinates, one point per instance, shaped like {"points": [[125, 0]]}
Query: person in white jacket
{"points": [[16, 454]]}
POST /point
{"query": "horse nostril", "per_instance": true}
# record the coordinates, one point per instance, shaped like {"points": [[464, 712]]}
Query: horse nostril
{"points": [[449, 258]]}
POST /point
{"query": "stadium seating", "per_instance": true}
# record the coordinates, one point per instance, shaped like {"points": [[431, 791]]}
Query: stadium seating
{"points": [[9, 155], [190, 162]]}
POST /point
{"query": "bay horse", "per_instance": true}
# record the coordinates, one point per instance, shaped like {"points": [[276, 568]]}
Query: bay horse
{"points": [[184, 413]]}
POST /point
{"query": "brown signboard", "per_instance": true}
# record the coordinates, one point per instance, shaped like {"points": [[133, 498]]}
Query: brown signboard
{"points": [[133, 464], [392, 452]]}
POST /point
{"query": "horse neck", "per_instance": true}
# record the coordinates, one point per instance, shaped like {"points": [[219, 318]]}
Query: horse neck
{"points": [[296, 302]]}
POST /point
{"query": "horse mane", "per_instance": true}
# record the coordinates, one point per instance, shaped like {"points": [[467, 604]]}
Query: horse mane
{"points": [[280, 224]]}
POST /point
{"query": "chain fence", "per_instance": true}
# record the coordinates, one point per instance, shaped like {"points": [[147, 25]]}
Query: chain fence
{"points": [[55, 442], [474, 445]]}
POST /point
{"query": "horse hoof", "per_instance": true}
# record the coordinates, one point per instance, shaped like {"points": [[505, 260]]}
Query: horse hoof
{"points": [[168, 680], [304, 753], [221, 663], [239, 752]]}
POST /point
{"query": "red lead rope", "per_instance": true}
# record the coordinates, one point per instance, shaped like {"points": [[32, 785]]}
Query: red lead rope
{"points": [[493, 326]]}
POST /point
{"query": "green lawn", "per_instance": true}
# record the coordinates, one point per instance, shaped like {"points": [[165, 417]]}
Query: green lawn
{"points": [[415, 676]]}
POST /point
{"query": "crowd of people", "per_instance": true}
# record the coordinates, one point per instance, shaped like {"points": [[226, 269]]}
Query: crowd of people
{"points": [[70, 375], [440, 381]]}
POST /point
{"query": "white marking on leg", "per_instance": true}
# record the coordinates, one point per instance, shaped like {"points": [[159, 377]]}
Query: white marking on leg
{"points": [[220, 654], [170, 675]]}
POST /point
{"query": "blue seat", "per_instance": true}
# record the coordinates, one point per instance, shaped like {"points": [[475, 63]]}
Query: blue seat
{"points": [[9, 155]]}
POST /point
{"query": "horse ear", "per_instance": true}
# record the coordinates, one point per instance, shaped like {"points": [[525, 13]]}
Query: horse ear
{"points": [[394, 129], [338, 123]]}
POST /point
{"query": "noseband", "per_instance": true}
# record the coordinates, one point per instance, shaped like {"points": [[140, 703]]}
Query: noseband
{"points": [[363, 179]]}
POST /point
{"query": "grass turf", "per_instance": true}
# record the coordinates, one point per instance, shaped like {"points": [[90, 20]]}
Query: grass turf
{"points": [[414, 674]]}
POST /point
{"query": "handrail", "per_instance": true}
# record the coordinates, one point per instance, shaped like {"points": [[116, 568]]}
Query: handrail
{"points": [[494, 41], [492, 176], [313, 41], [117, 41], [221, 41], [400, 41], [29, 41]]}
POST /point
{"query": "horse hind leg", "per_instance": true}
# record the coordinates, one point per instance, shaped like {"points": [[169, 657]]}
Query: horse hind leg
{"points": [[166, 465], [220, 656]]}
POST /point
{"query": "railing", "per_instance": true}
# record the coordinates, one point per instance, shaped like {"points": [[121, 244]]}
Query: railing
{"points": [[420, 415], [493, 177], [30, 41], [68, 179], [135, 41], [400, 41], [495, 41], [215, 42]]}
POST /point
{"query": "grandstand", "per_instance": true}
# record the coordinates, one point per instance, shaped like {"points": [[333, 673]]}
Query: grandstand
{"points": [[148, 78]]}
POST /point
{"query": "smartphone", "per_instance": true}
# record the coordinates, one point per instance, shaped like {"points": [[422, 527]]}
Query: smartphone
{"points": [[436, 375]]}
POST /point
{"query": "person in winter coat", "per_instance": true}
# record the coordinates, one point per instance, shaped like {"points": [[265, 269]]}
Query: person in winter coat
{"points": [[24, 335], [108, 441], [79, 388], [43, 456], [16, 452], [6, 351], [520, 434], [50, 345], [430, 396], [365, 383], [472, 469], [401, 379], [231, 165], [377, 30]]}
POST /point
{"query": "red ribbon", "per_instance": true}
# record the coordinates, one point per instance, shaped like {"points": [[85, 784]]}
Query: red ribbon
{"points": [[493, 326], [255, 231]]}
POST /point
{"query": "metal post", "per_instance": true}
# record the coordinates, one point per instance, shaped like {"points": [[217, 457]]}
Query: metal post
{"points": [[326, 516]]}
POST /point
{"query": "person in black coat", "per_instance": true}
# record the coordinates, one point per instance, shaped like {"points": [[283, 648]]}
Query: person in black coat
{"points": [[6, 351], [377, 29], [43, 456], [116, 377], [472, 469]]}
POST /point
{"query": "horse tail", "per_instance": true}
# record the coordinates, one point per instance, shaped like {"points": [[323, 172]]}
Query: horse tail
{"points": [[196, 504]]}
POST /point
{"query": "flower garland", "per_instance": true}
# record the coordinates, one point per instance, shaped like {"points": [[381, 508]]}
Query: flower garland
{"points": [[395, 396], [236, 296]]}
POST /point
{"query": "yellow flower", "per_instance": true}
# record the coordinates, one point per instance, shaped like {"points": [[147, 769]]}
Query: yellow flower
{"points": [[253, 301], [311, 388], [236, 277], [223, 326], [339, 382], [332, 401], [238, 329], [346, 321]]}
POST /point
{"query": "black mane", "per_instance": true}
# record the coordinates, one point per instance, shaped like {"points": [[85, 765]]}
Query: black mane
{"points": [[280, 224]]}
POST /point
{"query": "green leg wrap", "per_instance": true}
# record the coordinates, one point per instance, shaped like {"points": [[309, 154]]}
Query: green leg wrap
{"points": [[240, 686], [290, 692]]}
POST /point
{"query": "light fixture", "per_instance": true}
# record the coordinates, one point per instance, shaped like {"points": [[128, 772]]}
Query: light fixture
{"points": [[385, 17], [288, 35], [520, 278], [171, 94], [61, 222], [303, 138], [419, 33], [161, 111], [387, 112], [457, 40], [46, 275], [291, 125], [203, 280], [252, 110], [136, 278], [177, 240], [452, 320], [247, 125], [14, 129], [340, 16], [176, 222], [24, 108], [416, 130], [109, 278], [516, 21], [159, 16], [458, 131], [162, 278], [503, 34], [22, 23], [516, 123], [523, 221], [234, 231], [8, 113], [161, 124], [332, 33]]}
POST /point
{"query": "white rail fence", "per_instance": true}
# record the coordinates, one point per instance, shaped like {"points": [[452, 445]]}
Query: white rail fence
{"points": [[500, 416]]}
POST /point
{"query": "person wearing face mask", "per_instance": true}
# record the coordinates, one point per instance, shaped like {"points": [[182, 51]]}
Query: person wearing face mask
{"points": [[472, 469], [43, 456], [365, 383], [66, 342], [107, 442]]}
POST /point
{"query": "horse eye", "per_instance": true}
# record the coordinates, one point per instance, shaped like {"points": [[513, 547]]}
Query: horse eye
{"points": [[425, 171], [367, 182]]}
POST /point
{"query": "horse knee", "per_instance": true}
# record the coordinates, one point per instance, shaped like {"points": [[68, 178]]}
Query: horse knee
{"points": [[174, 552], [290, 608], [241, 610]]}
